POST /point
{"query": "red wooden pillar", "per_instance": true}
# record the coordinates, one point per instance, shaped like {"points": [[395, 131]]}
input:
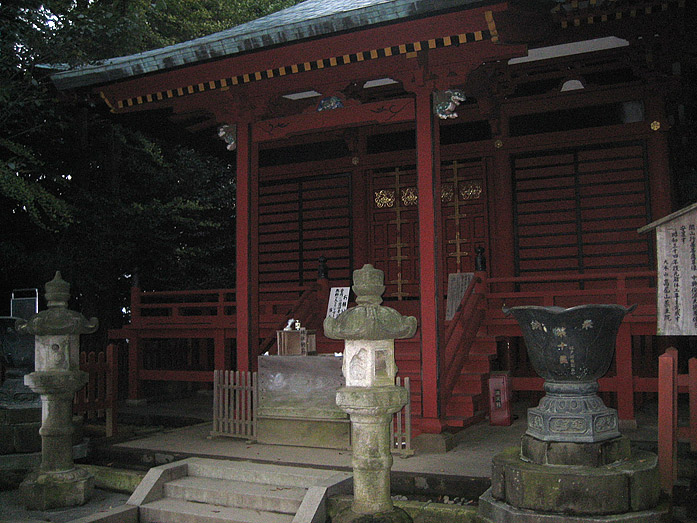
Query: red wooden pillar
{"points": [[428, 183], [658, 155], [247, 286], [668, 418], [221, 360], [624, 381], [135, 364]]}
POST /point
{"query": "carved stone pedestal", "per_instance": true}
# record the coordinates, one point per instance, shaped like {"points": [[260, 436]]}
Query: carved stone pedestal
{"points": [[56, 489], [371, 411]]}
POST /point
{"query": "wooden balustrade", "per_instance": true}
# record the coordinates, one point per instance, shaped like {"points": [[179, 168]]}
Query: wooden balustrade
{"points": [[670, 384], [98, 398]]}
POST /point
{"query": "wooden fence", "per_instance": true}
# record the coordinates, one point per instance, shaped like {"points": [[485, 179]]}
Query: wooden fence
{"points": [[235, 398], [400, 428], [98, 398], [670, 384]]}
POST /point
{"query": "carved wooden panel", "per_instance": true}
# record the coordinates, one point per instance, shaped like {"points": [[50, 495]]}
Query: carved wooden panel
{"points": [[394, 241], [463, 204]]}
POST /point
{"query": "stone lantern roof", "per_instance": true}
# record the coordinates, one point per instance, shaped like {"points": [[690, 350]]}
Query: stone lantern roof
{"points": [[57, 319], [369, 320]]}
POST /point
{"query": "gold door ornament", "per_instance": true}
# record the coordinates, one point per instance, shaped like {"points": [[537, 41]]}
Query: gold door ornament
{"points": [[384, 198]]}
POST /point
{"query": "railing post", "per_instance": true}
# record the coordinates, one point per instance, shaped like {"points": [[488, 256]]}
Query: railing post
{"points": [[692, 391], [135, 360], [667, 418], [135, 306], [624, 379]]}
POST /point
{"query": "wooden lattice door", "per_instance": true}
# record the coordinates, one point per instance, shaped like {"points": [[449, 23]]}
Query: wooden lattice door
{"points": [[394, 242], [463, 200]]}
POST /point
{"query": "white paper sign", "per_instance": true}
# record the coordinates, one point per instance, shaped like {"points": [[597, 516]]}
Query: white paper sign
{"points": [[338, 301], [457, 286], [676, 242]]}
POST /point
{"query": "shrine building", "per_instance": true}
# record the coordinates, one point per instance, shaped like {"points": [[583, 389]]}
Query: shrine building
{"points": [[523, 143]]}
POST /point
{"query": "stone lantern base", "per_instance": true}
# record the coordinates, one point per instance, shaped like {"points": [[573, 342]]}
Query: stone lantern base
{"points": [[562, 482], [50, 490], [396, 515]]}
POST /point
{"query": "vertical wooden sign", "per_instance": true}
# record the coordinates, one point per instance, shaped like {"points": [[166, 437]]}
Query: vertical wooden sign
{"points": [[338, 301], [676, 245], [457, 286]]}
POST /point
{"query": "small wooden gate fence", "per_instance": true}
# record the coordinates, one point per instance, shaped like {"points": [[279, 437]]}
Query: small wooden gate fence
{"points": [[670, 383], [235, 397], [98, 398], [400, 428]]}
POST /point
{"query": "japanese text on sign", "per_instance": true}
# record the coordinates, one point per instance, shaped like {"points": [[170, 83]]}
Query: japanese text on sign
{"points": [[338, 301], [677, 283]]}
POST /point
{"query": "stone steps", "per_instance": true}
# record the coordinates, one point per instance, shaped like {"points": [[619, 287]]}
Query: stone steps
{"points": [[170, 510], [221, 491]]}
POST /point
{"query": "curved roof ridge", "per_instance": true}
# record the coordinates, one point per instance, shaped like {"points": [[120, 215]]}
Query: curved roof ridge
{"points": [[311, 18]]}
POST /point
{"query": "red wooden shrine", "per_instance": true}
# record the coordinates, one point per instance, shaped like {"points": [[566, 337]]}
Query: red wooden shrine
{"points": [[555, 159]]}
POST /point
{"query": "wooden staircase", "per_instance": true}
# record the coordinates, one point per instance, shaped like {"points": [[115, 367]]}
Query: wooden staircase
{"points": [[468, 400]]}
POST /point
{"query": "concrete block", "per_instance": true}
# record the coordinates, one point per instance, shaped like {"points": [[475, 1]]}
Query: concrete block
{"points": [[151, 487], [241, 494], [181, 511], [122, 514], [26, 437], [433, 443], [644, 480], [7, 444], [494, 511], [595, 454]]}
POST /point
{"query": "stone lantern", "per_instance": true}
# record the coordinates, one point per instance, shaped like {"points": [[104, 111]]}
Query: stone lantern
{"points": [[370, 396], [57, 483]]}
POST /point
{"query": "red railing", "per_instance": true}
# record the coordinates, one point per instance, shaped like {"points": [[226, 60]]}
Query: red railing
{"points": [[670, 383], [461, 332], [98, 398], [568, 290], [211, 307]]}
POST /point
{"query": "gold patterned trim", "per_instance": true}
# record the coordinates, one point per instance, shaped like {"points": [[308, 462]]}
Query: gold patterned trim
{"points": [[410, 196], [447, 192], [471, 191], [384, 198]]}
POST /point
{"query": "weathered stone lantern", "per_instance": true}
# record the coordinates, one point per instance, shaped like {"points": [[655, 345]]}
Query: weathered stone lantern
{"points": [[57, 483], [370, 396]]}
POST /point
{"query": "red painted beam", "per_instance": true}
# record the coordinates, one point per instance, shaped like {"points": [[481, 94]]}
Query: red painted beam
{"points": [[667, 419], [429, 191], [247, 281], [389, 111]]}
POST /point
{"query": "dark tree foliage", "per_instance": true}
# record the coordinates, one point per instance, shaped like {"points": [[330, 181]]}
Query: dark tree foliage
{"points": [[82, 192]]}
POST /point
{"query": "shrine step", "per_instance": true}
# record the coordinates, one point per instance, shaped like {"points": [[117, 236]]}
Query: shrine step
{"points": [[169, 510], [279, 475], [246, 494], [223, 491]]}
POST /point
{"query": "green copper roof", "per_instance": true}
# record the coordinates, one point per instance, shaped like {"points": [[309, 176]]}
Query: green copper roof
{"points": [[309, 19]]}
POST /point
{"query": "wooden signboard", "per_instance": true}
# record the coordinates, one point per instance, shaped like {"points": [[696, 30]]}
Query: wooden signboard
{"points": [[338, 301], [676, 246], [457, 286]]}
